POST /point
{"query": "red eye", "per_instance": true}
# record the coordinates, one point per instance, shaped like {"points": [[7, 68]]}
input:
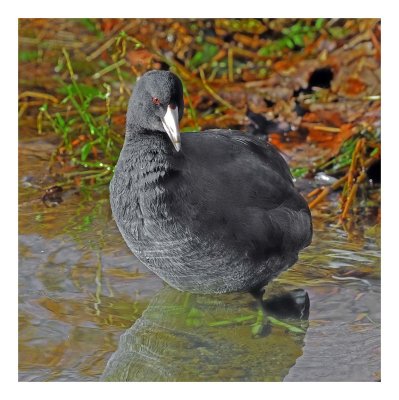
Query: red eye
{"points": [[156, 101]]}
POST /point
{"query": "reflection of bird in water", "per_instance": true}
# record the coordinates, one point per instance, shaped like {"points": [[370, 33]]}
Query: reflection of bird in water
{"points": [[192, 337], [294, 304]]}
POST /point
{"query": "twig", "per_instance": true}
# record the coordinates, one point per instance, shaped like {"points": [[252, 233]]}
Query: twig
{"points": [[376, 43], [52, 43], [109, 68], [327, 128], [22, 110], [327, 190], [313, 193], [253, 55], [230, 64], [350, 185], [375, 97], [78, 173], [351, 171], [214, 94], [349, 201], [102, 48], [39, 96], [94, 176]]}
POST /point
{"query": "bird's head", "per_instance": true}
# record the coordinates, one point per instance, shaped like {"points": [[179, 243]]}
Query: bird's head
{"points": [[156, 105]]}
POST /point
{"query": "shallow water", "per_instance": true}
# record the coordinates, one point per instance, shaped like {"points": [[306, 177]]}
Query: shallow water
{"points": [[84, 300]]}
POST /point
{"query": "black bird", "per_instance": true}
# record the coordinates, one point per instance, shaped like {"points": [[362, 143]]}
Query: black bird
{"points": [[208, 212]]}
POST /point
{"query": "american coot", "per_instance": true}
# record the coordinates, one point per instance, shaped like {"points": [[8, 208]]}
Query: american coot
{"points": [[208, 212]]}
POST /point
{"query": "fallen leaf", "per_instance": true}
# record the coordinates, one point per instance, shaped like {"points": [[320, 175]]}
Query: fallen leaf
{"points": [[353, 86]]}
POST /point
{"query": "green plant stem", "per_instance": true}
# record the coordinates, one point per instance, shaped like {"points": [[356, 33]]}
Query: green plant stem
{"points": [[72, 74]]}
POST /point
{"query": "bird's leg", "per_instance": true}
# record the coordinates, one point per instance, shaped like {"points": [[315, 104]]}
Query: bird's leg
{"points": [[261, 327]]}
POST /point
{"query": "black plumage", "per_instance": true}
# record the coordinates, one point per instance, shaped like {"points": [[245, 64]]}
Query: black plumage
{"points": [[212, 212]]}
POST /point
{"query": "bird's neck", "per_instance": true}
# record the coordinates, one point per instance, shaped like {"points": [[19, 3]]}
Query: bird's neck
{"points": [[141, 141], [148, 155]]}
